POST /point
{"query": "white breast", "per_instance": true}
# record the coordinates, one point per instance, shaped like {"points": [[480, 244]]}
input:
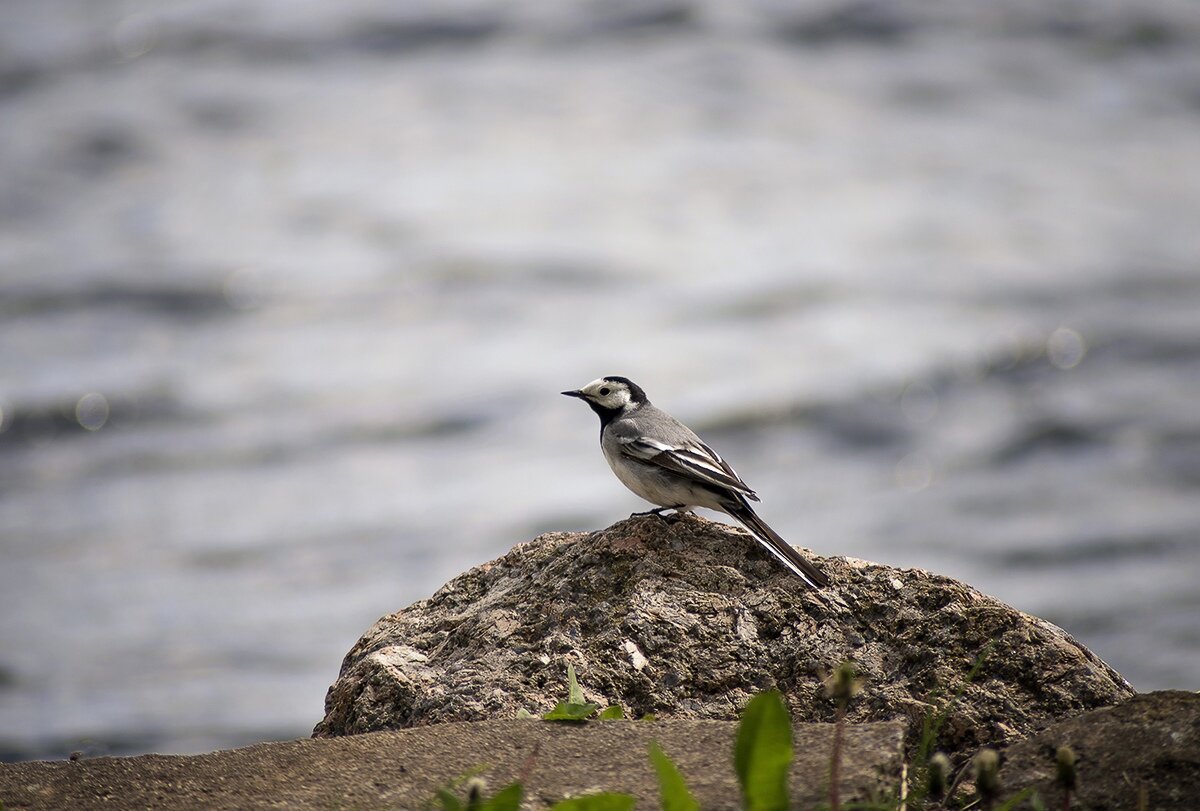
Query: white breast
{"points": [[657, 485]]}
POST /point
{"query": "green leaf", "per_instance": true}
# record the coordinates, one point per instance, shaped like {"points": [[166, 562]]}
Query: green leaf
{"points": [[445, 797], [448, 801], [604, 801], [524, 714], [565, 711], [671, 786], [762, 755], [574, 691], [613, 712], [506, 799]]}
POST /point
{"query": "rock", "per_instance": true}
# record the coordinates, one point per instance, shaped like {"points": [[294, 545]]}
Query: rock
{"points": [[689, 619], [1150, 743], [391, 770]]}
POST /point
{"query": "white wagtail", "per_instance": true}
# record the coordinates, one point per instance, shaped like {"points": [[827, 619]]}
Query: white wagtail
{"points": [[663, 461]]}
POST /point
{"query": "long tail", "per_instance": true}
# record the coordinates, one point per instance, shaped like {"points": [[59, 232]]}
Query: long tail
{"points": [[780, 548]]}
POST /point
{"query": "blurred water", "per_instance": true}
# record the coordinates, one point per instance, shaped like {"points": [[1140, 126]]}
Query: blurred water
{"points": [[289, 290]]}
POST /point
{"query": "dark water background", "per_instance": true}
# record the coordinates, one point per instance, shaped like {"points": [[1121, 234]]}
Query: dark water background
{"points": [[288, 290]]}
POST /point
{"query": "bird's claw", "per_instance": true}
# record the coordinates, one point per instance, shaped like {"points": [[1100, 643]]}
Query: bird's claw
{"points": [[658, 511]]}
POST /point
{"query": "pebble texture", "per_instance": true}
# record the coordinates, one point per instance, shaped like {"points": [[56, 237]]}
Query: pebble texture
{"points": [[688, 619]]}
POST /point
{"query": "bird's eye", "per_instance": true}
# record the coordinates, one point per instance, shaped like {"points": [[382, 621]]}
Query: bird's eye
{"points": [[604, 392]]}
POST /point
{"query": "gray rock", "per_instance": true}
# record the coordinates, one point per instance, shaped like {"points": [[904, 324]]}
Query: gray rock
{"points": [[1150, 743], [689, 619]]}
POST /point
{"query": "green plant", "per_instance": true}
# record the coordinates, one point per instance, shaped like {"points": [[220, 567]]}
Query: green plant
{"points": [[1066, 775], [575, 708], [937, 781], [841, 686], [507, 799], [987, 777], [1012, 803], [762, 753], [931, 727], [672, 789]]}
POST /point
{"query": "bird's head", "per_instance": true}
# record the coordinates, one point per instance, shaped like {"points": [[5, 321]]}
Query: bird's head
{"points": [[610, 395]]}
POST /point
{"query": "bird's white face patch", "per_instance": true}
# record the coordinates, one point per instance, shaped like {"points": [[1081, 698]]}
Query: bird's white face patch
{"points": [[607, 393]]}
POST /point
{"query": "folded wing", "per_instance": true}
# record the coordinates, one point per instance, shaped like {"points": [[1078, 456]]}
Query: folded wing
{"points": [[696, 461]]}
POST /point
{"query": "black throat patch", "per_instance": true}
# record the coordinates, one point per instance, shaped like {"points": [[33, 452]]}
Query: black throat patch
{"points": [[606, 415]]}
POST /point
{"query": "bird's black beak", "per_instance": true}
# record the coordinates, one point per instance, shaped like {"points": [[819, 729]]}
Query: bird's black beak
{"points": [[575, 393]]}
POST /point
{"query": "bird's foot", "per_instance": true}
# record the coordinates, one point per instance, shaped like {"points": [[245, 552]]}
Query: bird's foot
{"points": [[679, 511]]}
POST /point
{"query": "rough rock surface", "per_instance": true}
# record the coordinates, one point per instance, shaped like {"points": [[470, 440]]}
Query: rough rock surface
{"points": [[394, 770], [689, 619], [1150, 743]]}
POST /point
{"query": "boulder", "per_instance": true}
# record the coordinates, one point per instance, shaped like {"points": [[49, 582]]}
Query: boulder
{"points": [[1144, 753], [689, 618]]}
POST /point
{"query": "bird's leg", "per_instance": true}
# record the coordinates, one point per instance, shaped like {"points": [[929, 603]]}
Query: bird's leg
{"points": [[658, 511]]}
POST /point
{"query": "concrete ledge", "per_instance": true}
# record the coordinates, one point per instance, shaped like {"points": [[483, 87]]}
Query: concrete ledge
{"points": [[402, 769]]}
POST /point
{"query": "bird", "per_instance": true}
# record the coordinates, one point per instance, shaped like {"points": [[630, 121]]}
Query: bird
{"points": [[664, 462]]}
